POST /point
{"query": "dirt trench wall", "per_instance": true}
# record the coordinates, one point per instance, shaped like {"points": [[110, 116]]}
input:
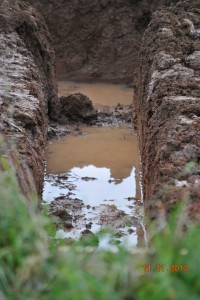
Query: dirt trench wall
{"points": [[97, 39], [168, 108], [27, 90]]}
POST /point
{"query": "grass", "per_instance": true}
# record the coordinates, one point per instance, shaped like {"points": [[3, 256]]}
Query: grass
{"points": [[33, 265]]}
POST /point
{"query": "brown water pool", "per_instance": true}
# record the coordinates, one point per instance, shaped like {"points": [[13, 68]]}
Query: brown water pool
{"points": [[101, 94], [100, 168]]}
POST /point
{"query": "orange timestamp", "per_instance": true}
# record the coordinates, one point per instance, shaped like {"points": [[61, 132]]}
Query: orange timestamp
{"points": [[162, 268]]}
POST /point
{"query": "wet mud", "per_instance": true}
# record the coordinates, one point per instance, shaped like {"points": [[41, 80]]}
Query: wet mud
{"points": [[92, 177], [27, 89], [112, 104]]}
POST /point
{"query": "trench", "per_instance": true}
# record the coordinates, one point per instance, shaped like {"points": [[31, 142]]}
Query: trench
{"points": [[93, 180]]}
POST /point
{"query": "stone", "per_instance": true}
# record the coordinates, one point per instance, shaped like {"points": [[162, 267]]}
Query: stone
{"points": [[193, 60]]}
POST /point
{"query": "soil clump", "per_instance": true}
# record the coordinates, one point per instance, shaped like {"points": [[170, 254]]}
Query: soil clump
{"points": [[77, 108]]}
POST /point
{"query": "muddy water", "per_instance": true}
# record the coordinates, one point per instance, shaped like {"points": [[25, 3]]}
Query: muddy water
{"points": [[95, 176], [101, 94]]}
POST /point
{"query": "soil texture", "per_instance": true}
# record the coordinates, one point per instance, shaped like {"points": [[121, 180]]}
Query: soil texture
{"points": [[27, 90], [167, 108], [97, 39]]}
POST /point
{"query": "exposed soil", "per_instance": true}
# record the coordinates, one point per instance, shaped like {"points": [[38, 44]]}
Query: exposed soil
{"points": [[97, 39], [100, 40], [77, 108], [167, 105], [27, 89], [113, 116]]}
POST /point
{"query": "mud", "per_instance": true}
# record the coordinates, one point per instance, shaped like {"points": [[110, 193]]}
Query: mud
{"points": [[100, 40], [112, 104], [77, 108], [167, 108], [27, 89], [97, 187], [92, 177], [97, 39]]}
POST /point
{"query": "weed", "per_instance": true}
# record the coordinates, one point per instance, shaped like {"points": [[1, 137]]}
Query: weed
{"points": [[33, 265]]}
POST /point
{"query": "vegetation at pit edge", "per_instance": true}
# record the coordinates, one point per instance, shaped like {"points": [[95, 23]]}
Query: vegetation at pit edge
{"points": [[33, 265]]}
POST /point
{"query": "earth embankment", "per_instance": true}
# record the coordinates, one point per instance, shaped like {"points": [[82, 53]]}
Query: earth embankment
{"points": [[97, 39], [27, 90], [168, 108]]}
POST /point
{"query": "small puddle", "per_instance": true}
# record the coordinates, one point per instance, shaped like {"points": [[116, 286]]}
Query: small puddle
{"points": [[95, 177]]}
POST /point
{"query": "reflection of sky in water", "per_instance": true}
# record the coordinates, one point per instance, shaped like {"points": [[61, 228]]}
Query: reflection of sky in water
{"points": [[95, 192], [128, 241], [115, 157], [98, 193], [51, 191], [103, 190]]}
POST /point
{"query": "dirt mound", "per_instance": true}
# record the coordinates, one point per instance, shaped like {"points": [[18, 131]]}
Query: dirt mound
{"points": [[167, 102]]}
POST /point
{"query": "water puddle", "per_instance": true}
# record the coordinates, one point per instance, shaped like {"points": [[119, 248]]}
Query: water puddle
{"points": [[101, 94], [92, 180]]}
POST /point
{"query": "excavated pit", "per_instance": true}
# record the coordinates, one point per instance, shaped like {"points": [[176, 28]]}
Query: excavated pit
{"points": [[167, 86], [97, 39]]}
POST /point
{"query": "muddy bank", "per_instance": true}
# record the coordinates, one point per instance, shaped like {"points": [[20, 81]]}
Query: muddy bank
{"points": [[97, 39], [167, 107], [27, 89]]}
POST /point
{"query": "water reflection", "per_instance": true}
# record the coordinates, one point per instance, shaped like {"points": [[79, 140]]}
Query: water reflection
{"points": [[100, 168], [107, 201], [95, 186], [101, 147]]}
